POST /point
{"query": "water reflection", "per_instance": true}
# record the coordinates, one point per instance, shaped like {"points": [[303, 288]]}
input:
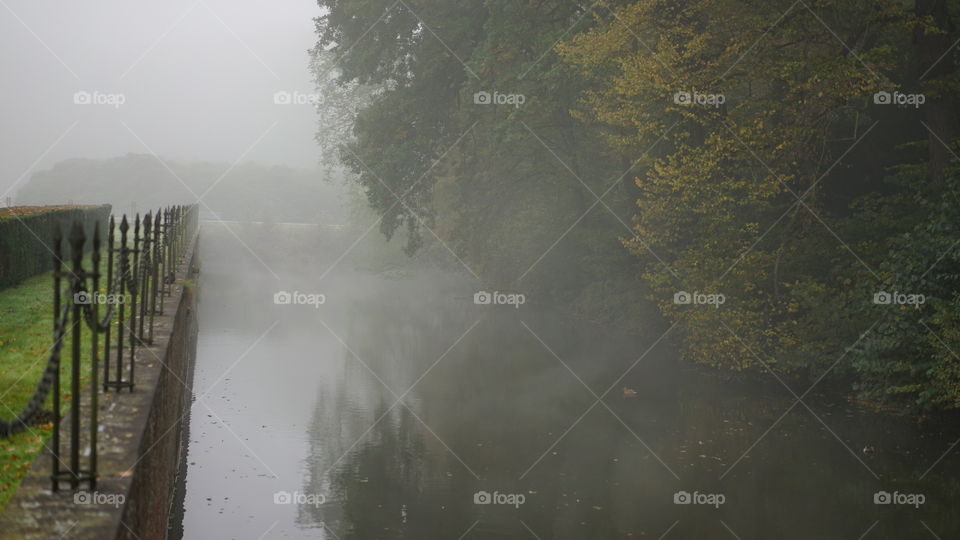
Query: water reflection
{"points": [[503, 400]]}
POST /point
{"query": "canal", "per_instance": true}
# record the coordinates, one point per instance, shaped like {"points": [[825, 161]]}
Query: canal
{"points": [[399, 408]]}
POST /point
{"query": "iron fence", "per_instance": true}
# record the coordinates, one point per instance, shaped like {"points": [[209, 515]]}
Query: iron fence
{"points": [[142, 259]]}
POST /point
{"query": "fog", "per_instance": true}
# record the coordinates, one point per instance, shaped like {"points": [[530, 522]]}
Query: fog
{"points": [[500, 269], [198, 79]]}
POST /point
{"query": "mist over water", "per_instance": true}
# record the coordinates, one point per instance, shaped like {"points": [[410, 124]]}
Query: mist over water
{"points": [[302, 400], [496, 269]]}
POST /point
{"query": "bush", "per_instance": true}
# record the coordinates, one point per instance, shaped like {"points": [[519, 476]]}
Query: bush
{"points": [[26, 237]]}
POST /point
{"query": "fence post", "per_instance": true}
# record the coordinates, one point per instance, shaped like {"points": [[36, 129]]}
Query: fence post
{"points": [[57, 268], [134, 272], [106, 334], [94, 353], [145, 273], [171, 263], [123, 270], [76, 281], [180, 234], [163, 256], [155, 257], [121, 316]]}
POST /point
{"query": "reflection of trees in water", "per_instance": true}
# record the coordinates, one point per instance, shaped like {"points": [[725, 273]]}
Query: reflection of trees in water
{"points": [[499, 400], [390, 469]]}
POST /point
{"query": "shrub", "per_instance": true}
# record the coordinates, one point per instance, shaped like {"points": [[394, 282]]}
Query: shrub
{"points": [[26, 237]]}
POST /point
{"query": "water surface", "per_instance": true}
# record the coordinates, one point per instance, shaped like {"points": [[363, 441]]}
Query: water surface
{"points": [[385, 411]]}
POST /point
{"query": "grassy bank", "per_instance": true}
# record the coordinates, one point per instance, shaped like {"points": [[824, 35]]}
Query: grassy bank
{"points": [[26, 336]]}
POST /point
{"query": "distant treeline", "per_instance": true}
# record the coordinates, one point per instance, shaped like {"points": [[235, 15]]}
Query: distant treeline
{"points": [[797, 158], [138, 183]]}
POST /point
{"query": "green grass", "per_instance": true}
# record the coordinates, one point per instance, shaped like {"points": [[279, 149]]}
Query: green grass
{"points": [[26, 336]]}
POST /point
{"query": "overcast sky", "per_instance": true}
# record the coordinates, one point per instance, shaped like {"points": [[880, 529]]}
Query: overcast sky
{"points": [[196, 79]]}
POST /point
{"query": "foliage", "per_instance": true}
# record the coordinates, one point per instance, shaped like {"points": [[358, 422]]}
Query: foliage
{"points": [[784, 193], [911, 358], [756, 198]]}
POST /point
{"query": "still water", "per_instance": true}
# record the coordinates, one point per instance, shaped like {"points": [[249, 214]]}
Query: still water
{"points": [[400, 409]]}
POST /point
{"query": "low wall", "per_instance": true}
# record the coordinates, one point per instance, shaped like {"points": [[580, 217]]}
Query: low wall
{"points": [[138, 446]]}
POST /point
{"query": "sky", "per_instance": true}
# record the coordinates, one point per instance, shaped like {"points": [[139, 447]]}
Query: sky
{"points": [[185, 80]]}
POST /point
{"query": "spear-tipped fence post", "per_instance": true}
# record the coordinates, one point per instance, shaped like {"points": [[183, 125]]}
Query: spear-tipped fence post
{"points": [[145, 273], [181, 236], [167, 247], [155, 271], [106, 333], [77, 241], [171, 249], [94, 354], [134, 277], [57, 269], [176, 235], [123, 273]]}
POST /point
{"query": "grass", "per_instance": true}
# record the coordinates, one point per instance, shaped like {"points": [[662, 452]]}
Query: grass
{"points": [[26, 337]]}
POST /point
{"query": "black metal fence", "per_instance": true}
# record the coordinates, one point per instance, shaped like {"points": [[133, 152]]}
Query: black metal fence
{"points": [[141, 264]]}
